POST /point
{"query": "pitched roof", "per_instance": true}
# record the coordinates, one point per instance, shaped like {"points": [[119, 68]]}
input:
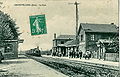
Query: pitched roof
{"points": [[66, 37], [71, 43], [88, 27]]}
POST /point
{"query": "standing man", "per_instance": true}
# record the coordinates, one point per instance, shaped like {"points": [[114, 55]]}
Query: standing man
{"points": [[80, 54]]}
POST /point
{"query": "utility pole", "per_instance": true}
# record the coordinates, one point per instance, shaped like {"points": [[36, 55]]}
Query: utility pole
{"points": [[76, 6], [119, 30]]}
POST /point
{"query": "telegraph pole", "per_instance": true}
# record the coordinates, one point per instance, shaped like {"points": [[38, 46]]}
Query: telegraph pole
{"points": [[119, 30], [76, 6]]}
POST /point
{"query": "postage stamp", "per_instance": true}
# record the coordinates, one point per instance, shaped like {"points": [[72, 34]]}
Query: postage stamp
{"points": [[38, 24]]}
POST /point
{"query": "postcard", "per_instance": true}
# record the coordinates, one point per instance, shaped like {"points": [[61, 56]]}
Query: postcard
{"points": [[59, 38]]}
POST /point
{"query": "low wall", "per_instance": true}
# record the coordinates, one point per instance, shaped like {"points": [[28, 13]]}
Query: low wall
{"points": [[9, 56]]}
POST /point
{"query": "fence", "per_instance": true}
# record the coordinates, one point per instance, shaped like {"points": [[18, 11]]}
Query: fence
{"points": [[112, 57]]}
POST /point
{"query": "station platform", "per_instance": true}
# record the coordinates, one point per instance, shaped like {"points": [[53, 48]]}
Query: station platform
{"points": [[91, 60], [25, 67]]}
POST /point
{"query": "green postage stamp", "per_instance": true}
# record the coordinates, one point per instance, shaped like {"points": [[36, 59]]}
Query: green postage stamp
{"points": [[38, 24]]}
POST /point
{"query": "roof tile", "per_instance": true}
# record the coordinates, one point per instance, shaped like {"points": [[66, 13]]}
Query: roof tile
{"points": [[88, 27]]}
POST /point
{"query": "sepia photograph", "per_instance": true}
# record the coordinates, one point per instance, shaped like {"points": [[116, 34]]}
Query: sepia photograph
{"points": [[59, 38]]}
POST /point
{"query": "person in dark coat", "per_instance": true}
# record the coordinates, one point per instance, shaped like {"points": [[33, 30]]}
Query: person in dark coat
{"points": [[1, 57], [80, 54], [77, 53], [74, 54], [70, 53]]}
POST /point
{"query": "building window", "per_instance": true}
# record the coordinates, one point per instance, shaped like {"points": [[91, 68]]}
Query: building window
{"points": [[62, 42], [92, 37], [8, 48], [81, 37]]}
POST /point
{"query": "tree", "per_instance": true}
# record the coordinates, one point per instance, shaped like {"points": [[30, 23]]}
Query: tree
{"points": [[8, 28], [114, 46]]}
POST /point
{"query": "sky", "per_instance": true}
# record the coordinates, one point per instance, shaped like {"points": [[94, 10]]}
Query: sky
{"points": [[60, 17]]}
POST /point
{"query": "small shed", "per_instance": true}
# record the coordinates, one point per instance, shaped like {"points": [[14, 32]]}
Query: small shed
{"points": [[9, 48]]}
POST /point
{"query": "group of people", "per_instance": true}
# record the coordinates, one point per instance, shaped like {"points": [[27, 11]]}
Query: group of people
{"points": [[74, 54], [79, 54], [87, 54]]}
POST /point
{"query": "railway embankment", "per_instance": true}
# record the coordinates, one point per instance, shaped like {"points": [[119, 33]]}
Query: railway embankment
{"points": [[79, 68]]}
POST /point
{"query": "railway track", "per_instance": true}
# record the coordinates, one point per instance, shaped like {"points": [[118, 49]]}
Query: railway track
{"points": [[78, 68]]}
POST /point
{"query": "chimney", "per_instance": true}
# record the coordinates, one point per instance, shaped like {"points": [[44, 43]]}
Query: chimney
{"points": [[54, 35]]}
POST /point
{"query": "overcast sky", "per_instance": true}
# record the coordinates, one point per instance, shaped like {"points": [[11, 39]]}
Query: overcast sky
{"points": [[60, 17]]}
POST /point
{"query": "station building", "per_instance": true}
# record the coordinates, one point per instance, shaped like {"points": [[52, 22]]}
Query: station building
{"points": [[93, 37], [59, 47], [96, 38]]}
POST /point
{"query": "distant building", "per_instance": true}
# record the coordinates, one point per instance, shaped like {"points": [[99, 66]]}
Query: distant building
{"points": [[90, 34], [59, 47]]}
